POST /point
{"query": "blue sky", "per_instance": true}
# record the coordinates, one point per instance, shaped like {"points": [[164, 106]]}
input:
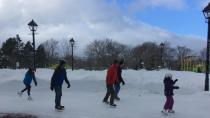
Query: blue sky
{"points": [[184, 22], [187, 20]]}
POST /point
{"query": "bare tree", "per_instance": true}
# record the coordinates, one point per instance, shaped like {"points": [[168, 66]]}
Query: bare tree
{"points": [[149, 54], [202, 54], [101, 53], [51, 48], [169, 56], [65, 48], [183, 53]]}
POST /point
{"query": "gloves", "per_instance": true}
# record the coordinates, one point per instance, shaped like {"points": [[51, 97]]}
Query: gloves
{"points": [[51, 88], [68, 86], [176, 79], [123, 83], [176, 87], [35, 83]]}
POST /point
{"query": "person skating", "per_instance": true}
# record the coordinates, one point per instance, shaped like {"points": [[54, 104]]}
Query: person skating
{"points": [[111, 78], [169, 86], [57, 79], [29, 76], [120, 79]]}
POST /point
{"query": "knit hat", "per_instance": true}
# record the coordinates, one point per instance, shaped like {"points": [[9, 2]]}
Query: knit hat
{"points": [[121, 62], [168, 75], [61, 62], [115, 61]]}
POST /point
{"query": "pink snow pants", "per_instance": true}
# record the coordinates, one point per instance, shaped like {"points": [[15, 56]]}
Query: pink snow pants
{"points": [[169, 103]]}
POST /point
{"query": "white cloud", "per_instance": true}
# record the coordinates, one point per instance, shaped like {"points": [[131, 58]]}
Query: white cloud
{"points": [[204, 3], [85, 20], [135, 5], [1, 4]]}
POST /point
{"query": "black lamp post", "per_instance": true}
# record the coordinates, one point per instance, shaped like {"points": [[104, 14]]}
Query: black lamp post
{"points": [[33, 27], [72, 42], [206, 12], [161, 55]]}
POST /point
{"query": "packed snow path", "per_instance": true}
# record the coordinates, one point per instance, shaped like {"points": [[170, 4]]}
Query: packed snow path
{"points": [[141, 97]]}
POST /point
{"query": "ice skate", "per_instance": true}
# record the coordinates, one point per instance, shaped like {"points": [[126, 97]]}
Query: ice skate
{"points": [[59, 108], [30, 98], [113, 105], [171, 111], [62, 107], [117, 98], [105, 101], [165, 112], [20, 94]]}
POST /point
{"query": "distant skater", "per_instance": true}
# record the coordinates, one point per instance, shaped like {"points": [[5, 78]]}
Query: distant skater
{"points": [[27, 81], [57, 79], [169, 86], [111, 78], [120, 79]]}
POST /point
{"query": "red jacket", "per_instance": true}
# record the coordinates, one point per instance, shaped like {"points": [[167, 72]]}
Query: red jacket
{"points": [[111, 76]]}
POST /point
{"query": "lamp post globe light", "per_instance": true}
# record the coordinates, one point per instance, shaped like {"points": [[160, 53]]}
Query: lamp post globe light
{"points": [[33, 27], [72, 42], [206, 12], [161, 55]]}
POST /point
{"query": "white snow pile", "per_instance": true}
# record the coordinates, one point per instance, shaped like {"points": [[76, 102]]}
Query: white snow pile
{"points": [[141, 97]]}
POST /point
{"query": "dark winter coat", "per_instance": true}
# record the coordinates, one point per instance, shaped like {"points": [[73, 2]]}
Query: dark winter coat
{"points": [[169, 86], [111, 76], [119, 75], [28, 78], [58, 77]]}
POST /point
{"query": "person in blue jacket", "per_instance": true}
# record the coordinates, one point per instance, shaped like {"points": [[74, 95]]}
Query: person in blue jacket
{"points": [[57, 79], [29, 76], [120, 79]]}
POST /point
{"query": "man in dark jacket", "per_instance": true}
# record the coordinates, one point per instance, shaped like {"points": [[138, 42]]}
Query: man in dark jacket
{"points": [[58, 77], [168, 91], [111, 78], [120, 79]]}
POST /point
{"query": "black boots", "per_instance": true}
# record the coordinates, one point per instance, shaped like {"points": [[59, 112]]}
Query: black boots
{"points": [[117, 98], [113, 105], [105, 101], [59, 107]]}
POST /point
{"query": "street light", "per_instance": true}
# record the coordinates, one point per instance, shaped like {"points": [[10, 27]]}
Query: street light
{"points": [[206, 12], [161, 51], [72, 42], [33, 27]]}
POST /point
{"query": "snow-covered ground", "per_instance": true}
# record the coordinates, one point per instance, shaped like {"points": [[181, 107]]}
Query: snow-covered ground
{"points": [[141, 97]]}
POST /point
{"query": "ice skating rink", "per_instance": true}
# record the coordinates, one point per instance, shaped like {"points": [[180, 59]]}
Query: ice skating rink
{"points": [[141, 97]]}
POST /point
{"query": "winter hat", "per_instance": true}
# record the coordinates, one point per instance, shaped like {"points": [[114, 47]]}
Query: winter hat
{"points": [[115, 61], [31, 70], [121, 62], [61, 62], [168, 75]]}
